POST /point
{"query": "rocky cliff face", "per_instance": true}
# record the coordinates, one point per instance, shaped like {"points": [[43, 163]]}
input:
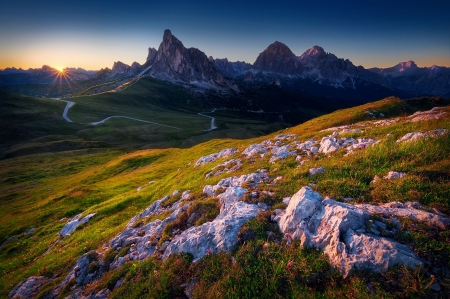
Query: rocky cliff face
{"points": [[151, 53], [174, 62], [407, 76]]}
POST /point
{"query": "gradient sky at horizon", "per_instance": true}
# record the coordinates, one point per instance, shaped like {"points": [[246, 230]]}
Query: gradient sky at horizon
{"points": [[94, 34]]}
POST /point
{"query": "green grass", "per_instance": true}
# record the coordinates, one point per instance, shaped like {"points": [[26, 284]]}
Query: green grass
{"points": [[40, 188]]}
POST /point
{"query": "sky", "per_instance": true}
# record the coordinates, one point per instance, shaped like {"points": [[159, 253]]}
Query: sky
{"points": [[94, 34]]}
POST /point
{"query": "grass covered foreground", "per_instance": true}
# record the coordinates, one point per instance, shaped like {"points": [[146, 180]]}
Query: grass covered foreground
{"points": [[43, 190]]}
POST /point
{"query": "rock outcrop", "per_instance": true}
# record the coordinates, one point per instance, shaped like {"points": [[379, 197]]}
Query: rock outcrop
{"points": [[213, 157], [72, 225], [435, 113], [221, 234], [28, 288], [414, 136], [409, 210], [340, 230]]}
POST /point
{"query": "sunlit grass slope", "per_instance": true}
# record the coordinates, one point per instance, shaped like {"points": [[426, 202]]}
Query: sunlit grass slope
{"points": [[32, 125], [39, 190]]}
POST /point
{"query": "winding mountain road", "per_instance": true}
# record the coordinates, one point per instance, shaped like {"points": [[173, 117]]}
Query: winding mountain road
{"points": [[212, 121], [66, 109], [132, 118], [70, 104]]}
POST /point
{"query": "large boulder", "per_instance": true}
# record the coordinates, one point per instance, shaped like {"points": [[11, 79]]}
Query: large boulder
{"points": [[219, 234], [341, 231], [328, 145]]}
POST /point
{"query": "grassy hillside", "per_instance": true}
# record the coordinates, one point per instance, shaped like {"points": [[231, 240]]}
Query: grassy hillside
{"points": [[42, 190], [31, 125]]}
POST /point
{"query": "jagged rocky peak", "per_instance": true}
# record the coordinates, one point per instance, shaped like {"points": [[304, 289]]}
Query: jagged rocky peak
{"points": [[315, 51], [277, 57], [120, 67], [152, 52], [170, 44], [174, 62]]}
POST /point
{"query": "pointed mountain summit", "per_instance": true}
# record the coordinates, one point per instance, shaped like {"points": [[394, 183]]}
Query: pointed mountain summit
{"points": [[277, 57], [174, 62], [315, 51]]}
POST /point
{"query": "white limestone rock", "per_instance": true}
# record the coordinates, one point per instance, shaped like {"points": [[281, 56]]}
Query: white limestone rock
{"points": [[414, 136], [219, 234], [328, 145], [213, 157], [72, 225], [227, 166], [394, 175], [409, 210], [314, 171], [339, 229], [255, 149], [435, 113], [281, 152], [285, 136]]}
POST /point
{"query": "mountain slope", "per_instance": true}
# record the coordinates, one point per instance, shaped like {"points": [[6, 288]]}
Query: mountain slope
{"points": [[118, 186]]}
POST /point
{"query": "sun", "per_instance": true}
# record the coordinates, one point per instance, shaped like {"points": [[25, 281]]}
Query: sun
{"points": [[60, 69]]}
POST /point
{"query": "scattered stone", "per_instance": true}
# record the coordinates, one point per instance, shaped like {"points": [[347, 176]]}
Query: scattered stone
{"points": [[255, 149], [407, 210], [28, 288], [336, 128], [435, 113], [186, 195], [394, 175], [227, 166], [281, 152], [328, 145], [213, 157], [420, 135], [386, 122], [314, 171], [277, 179], [74, 223], [339, 229], [285, 136], [344, 131], [375, 179]]}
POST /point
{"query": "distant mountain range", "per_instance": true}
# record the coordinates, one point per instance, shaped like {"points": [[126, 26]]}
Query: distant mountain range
{"points": [[44, 75], [315, 72]]}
